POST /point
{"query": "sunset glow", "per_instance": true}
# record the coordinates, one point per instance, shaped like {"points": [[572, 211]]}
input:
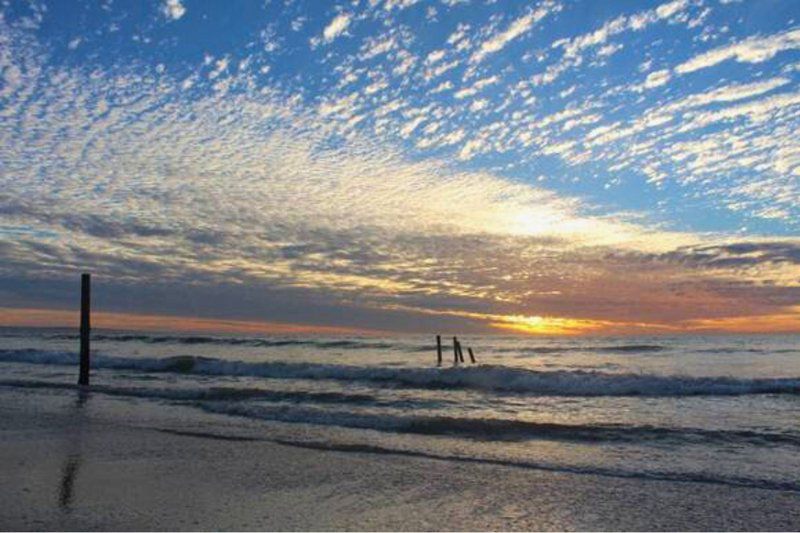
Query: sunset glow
{"points": [[537, 325], [400, 265], [122, 321], [404, 166]]}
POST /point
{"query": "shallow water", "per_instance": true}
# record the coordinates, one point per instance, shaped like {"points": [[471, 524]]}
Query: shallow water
{"points": [[722, 409]]}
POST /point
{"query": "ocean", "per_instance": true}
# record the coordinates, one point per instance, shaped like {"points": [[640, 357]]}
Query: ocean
{"points": [[717, 409]]}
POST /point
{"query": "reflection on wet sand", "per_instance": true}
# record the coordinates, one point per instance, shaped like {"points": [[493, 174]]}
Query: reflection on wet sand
{"points": [[68, 473], [72, 461]]}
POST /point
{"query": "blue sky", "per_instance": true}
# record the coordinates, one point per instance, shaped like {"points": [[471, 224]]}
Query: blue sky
{"points": [[334, 149]]}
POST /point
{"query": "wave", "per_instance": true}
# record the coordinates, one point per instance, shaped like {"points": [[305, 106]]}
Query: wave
{"points": [[373, 449], [492, 378], [632, 348], [613, 348], [495, 429], [231, 394], [680, 477], [360, 343], [293, 407], [731, 350], [559, 348], [350, 344], [640, 348]]}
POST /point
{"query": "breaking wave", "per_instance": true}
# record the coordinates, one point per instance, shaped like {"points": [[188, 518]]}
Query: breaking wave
{"points": [[611, 348], [291, 407], [495, 429], [319, 408], [482, 377], [349, 344]]}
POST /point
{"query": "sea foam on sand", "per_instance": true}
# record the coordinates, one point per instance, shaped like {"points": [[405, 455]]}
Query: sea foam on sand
{"points": [[97, 462]]}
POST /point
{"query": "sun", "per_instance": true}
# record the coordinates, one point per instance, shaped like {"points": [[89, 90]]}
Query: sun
{"points": [[541, 325]]}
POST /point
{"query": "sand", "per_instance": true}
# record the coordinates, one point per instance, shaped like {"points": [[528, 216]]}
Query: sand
{"points": [[101, 464]]}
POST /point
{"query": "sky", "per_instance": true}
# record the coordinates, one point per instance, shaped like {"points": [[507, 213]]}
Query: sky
{"points": [[550, 167]]}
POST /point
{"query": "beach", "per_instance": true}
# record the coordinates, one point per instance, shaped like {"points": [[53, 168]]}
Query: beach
{"points": [[93, 462]]}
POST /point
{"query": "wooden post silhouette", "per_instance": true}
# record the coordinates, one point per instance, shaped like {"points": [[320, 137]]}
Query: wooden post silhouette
{"points": [[455, 351], [86, 282], [471, 355], [438, 350], [460, 352]]}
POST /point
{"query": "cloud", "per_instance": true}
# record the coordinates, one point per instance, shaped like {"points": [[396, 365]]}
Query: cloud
{"points": [[740, 254], [516, 29], [367, 203], [476, 87], [734, 142], [390, 5], [657, 79], [173, 9], [435, 56], [636, 22], [727, 93], [336, 27], [667, 10], [315, 218], [752, 50], [575, 47]]}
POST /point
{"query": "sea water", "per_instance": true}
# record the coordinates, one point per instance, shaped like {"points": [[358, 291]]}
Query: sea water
{"points": [[718, 409]]}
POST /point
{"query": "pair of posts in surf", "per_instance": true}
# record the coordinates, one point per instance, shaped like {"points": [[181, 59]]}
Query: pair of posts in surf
{"points": [[458, 353]]}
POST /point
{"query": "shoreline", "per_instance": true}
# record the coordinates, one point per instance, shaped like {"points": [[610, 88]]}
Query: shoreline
{"points": [[91, 463]]}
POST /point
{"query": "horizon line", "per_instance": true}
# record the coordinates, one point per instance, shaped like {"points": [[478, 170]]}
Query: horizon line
{"points": [[111, 320]]}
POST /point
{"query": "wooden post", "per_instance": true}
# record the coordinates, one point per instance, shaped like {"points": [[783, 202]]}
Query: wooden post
{"points": [[438, 350], [471, 355], [86, 282], [460, 352], [455, 351]]}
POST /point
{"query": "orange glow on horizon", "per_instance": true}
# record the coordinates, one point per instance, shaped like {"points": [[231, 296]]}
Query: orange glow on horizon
{"points": [[26, 317], [785, 323], [776, 323], [782, 323]]}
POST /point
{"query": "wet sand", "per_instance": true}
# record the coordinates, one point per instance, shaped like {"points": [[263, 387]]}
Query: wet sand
{"points": [[72, 463]]}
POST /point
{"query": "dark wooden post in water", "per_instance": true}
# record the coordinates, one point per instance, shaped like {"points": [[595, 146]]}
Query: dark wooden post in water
{"points": [[471, 355], [460, 352], [455, 351], [438, 350], [86, 287]]}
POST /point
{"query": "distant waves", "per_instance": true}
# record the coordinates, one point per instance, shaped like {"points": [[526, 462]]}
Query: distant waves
{"points": [[490, 378]]}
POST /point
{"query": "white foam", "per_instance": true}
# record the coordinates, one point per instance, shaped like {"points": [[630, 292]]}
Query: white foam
{"points": [[482, 377]]}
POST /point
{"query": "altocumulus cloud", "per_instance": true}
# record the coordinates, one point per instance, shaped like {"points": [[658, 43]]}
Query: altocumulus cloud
{"points": [[278, 209]]}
